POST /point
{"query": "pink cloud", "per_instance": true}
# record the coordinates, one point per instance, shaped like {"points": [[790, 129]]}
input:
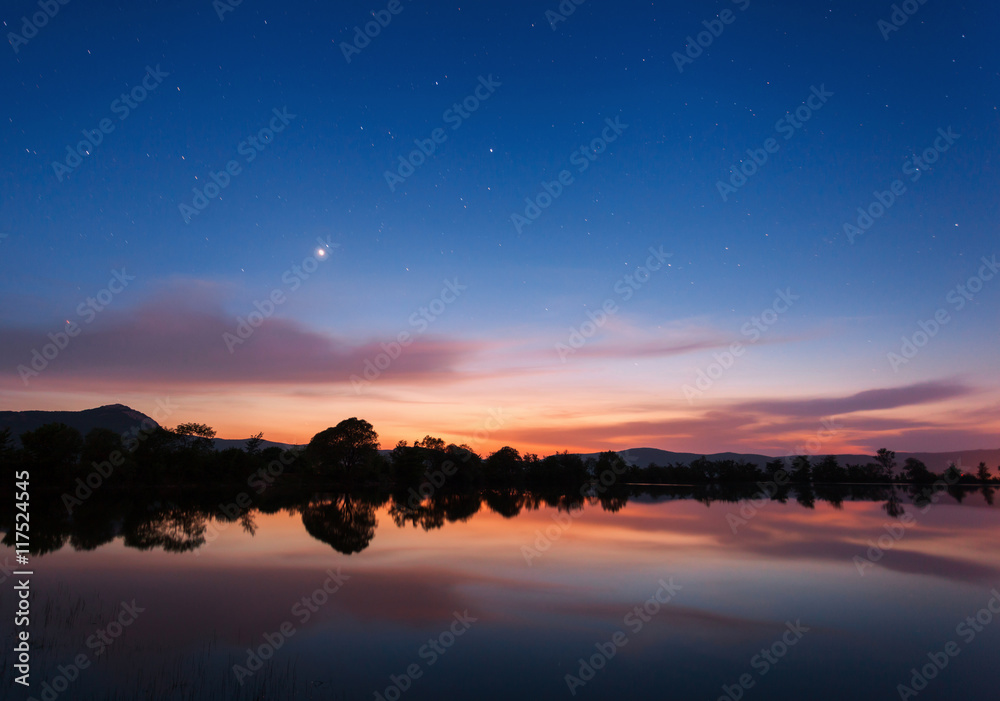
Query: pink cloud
{"points": [[172, 341]]}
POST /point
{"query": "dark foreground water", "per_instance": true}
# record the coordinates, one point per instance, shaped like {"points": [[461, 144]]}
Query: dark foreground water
{"points": [[503, 596]]}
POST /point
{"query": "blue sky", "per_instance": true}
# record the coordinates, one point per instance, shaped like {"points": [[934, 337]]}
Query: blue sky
{"points": [[323, 178]]}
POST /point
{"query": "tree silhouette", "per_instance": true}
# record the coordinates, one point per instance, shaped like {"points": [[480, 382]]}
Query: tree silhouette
{"points": [[610, 460], [952, 475], [53, 446], [344, 450], [886, 460], [801, 468], [430, 443], [829, 470], [253, 443], [916, 471], [983, 472], [98, 446], [505, 464]]}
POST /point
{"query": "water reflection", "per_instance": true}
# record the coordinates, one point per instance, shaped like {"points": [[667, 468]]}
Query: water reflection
{"points": [[181, 521], [547, 574]]}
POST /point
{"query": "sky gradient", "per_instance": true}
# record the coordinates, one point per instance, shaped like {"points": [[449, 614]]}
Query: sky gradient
{"points": [[641, 304]]}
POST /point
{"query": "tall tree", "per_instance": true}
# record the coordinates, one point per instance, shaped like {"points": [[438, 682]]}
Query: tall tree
{"points": [[983, 472], [504, 464], [916, 471], [886, 460], [801, 468], [252, 446], [346, 448], [952, 475]]}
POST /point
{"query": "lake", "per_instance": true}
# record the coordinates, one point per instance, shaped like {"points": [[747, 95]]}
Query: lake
{"points": [[509, 595]]}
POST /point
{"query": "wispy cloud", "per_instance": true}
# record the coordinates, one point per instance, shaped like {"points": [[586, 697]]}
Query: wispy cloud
{"points": [[870, 400]]}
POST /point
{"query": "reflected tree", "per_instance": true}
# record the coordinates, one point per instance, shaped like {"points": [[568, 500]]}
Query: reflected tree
{"points": [[613, 501], [506, 502], [805, 495], [893, 506], [345, 523], [174, 529]]}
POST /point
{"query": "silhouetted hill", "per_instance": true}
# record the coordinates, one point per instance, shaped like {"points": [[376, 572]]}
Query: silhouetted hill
{"points": [[116, 417], [226, 443], [643, 456]]}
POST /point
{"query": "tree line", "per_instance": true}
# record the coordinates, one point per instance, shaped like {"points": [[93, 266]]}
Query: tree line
{"points": [[349, 454]]}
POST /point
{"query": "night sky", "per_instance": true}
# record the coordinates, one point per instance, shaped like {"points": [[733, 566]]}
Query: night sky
{"points": [[257, 241]]}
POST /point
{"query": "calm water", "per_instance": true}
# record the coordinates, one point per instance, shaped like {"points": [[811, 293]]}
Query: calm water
{"points": [[470, 604]]}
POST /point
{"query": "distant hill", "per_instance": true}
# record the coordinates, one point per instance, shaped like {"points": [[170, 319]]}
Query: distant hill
{"points": [[116, 417], [936, 462], [227, 443]]}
